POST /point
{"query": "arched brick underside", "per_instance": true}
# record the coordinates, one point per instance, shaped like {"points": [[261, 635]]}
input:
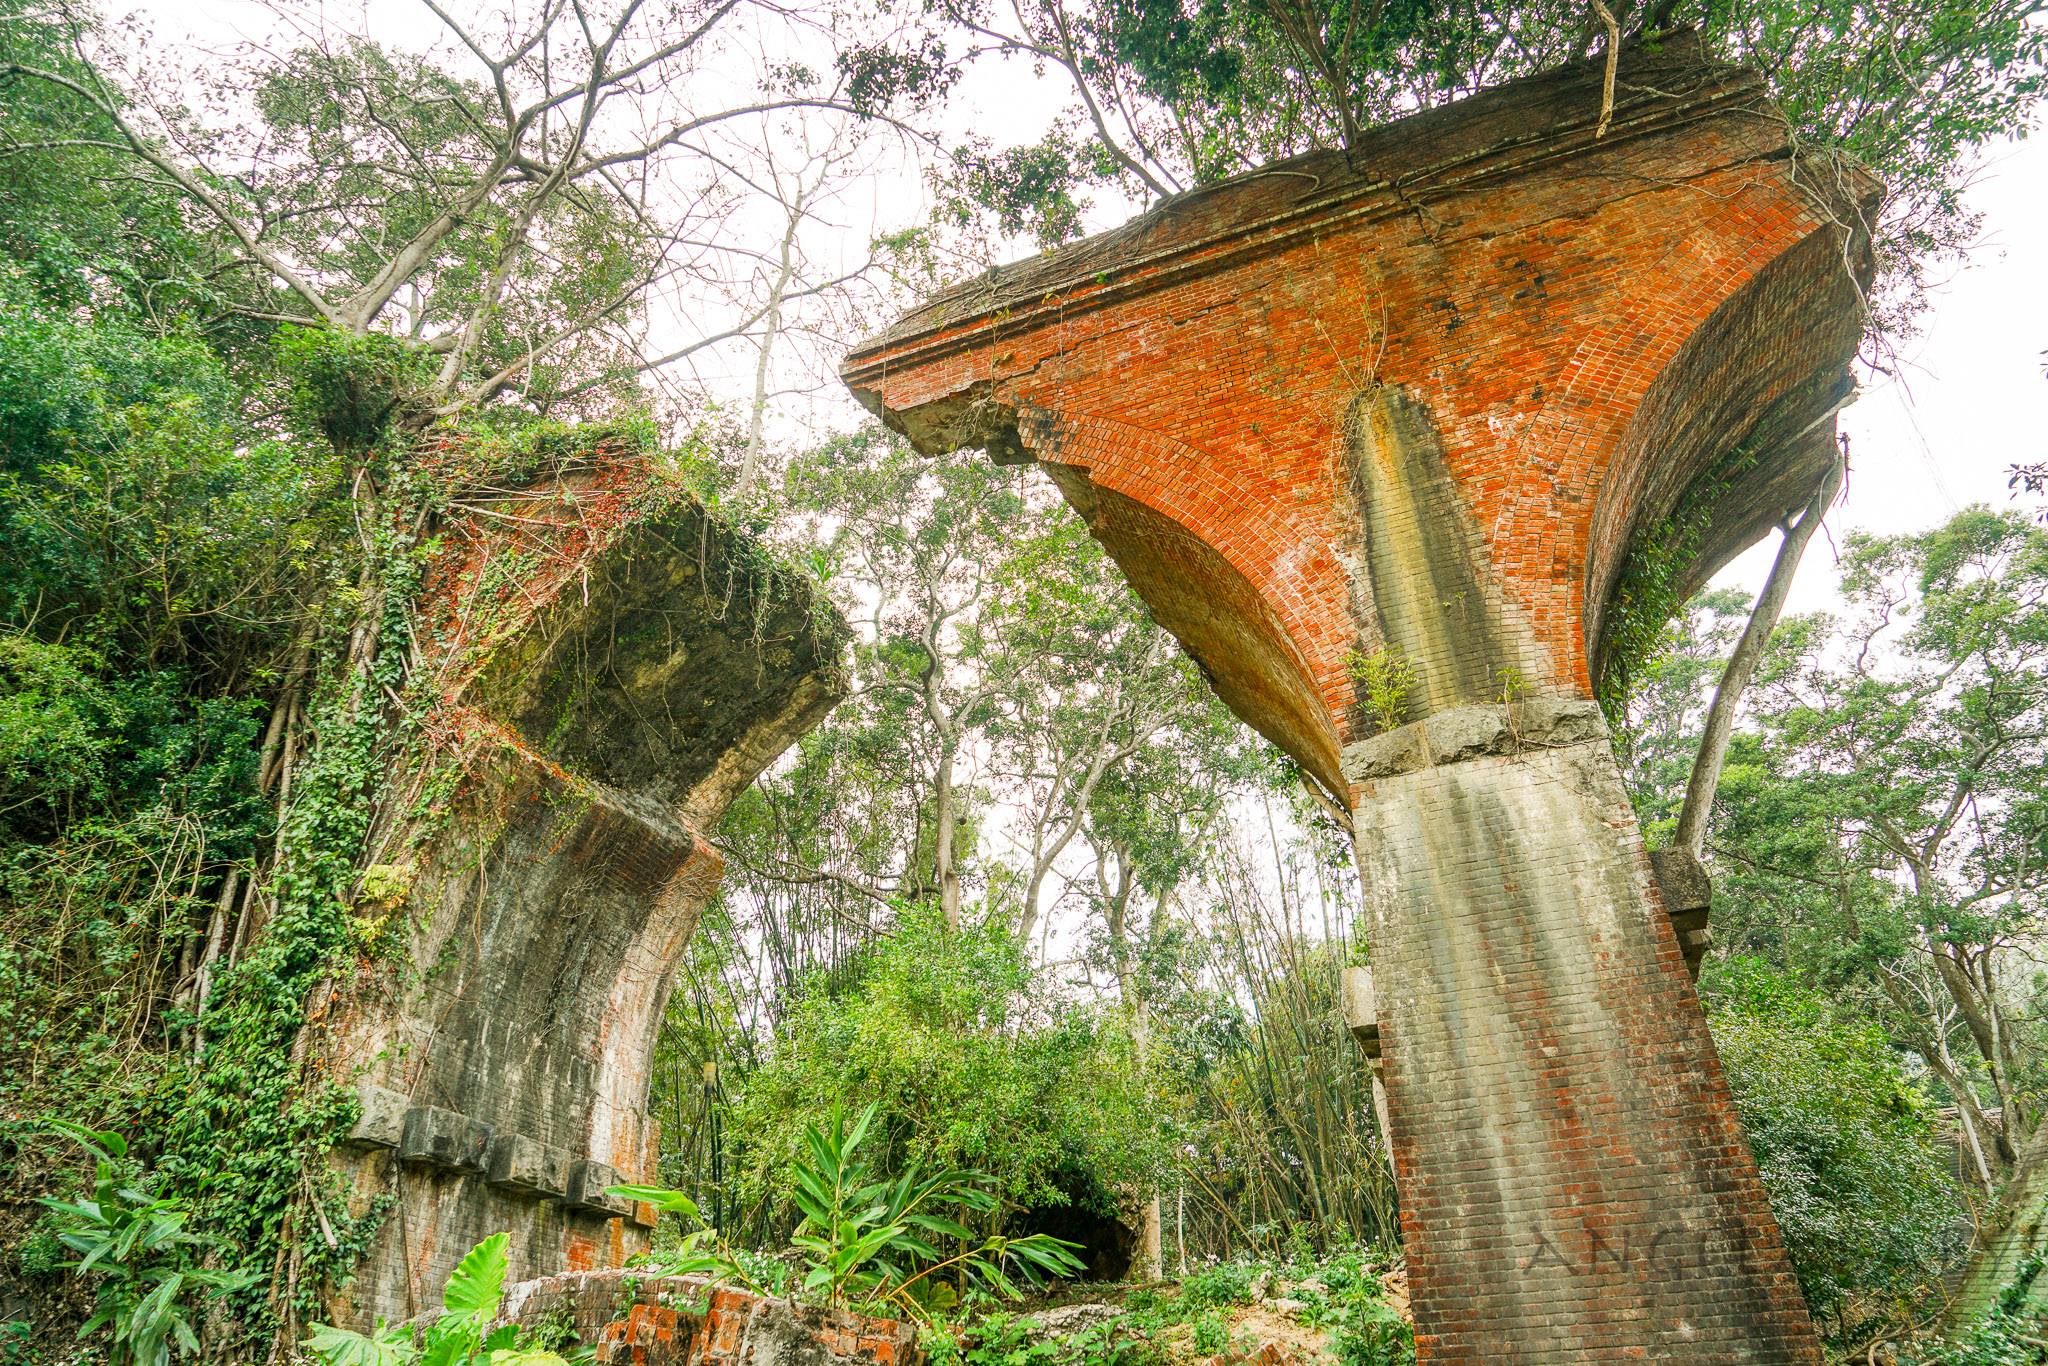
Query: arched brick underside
{"points": [[1428, 399], [623, 688], [1140, 493], [1741, 405]]}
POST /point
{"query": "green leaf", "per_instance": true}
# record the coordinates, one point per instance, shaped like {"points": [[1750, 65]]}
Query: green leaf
{"points": [[669, 1201], [479, 1281], [341, 1347]]}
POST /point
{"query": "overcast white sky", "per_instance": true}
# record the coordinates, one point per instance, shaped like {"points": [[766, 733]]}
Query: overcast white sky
{"points": [[1969, 400]]}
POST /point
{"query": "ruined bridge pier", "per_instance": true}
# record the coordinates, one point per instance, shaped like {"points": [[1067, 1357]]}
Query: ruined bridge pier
{"points": [[601, 707], [1449, 402]]}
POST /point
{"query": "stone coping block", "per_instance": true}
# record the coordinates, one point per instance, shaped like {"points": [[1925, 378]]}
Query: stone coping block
{"points": [[519, 1163], [588, 1179], [445, 1139], [1456, 734], [382, 1124], [1361, 1009], [687, 1321]]}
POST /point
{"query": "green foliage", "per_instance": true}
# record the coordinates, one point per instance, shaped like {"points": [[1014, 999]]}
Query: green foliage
{"points": [[348, 388], [877, 1243], [1387, 679], [873, 1240], [1857, 1178], [2008, 1334], [143, 515], [973, 1060], [136, 1248], [1651, 592], [1365, 1329], [997, 1339], [469, 1305], [1219, 1286], [79, 230]]}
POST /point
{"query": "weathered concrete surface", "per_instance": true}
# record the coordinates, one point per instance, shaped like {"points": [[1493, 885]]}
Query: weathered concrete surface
{"points": [[684, 1321], [1432, 398], [622, 674], [1573, 1181]]}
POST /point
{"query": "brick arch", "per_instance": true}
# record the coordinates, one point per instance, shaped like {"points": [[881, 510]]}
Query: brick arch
{"points": [[1243, 593], [1562, 498], [1749, 386], [1510, 280]]}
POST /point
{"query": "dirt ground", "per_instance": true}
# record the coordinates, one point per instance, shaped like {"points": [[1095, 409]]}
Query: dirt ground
{"points": [[1269, 1332]]}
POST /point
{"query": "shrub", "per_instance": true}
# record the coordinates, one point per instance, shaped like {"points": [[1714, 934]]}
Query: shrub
{"points": [[1846, 1144], [973, 1061], [1219, 1286]]}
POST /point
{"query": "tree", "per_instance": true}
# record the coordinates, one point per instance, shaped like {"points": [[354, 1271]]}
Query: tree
{"points": [[1004, 660], [1879, 830], [1170, 94], [506, 221], [1847, 1146], [974, 1058]]}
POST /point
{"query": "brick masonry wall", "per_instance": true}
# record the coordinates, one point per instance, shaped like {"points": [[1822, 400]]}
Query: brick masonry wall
{"points": [[1569, 317], [619, 698], [683, 1321], [1427, 397], [1574, 1183]]}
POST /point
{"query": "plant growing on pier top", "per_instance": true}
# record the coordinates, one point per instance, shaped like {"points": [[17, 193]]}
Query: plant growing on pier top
{"points": [[1171, 94], [1386, 679]]}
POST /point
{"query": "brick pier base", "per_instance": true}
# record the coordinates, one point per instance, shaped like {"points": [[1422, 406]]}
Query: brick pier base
{"points": [[1575, 1186]]}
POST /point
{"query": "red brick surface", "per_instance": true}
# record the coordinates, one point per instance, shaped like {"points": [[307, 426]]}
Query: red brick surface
{"points": [[683, 1321], [1525, 285]]}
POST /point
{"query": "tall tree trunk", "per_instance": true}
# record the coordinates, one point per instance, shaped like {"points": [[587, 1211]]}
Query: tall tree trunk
{"points": [[1149, 1262], [944, 866], [2016, 1229], [1706, 769]]}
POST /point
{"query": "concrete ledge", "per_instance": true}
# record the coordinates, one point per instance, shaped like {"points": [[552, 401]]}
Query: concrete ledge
{"points": [[519, 1163], [1458, 733], [587, 1182], [444, 1138], [1688, 895], [383, 1120], [1361, 1010]]}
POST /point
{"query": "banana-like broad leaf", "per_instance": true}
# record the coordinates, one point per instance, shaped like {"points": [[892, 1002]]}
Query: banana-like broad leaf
{"points": [[479, 1281], [340, 1347], [450, 1345], [668, 1201]]}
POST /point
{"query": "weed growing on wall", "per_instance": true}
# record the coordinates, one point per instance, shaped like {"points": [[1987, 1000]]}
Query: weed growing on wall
{"points": [[1655, 581], [1388, 679]]}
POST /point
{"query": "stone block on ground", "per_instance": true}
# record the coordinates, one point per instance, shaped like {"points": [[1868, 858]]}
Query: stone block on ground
{"points": [[1068, 1319]]}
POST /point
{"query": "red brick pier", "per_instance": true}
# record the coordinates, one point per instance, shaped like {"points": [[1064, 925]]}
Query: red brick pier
{"points": [[1425, 401]]}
